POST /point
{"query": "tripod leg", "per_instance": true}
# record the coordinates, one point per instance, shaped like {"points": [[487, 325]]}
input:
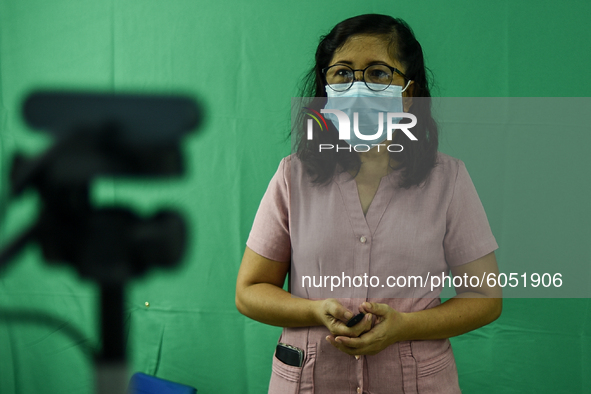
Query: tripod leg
{"points": [[112, 375]]}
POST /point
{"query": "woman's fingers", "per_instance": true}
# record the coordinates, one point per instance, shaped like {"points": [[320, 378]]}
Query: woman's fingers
{"points": [[335, 316], [375, 308], [363, 326], [352, 346], [337, 310], [377, 337]]}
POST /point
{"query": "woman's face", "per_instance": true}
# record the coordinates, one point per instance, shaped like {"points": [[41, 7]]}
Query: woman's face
{"points": [[361, 51]]}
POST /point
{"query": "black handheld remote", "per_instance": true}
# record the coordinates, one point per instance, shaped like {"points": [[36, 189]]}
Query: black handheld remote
{"points": [[355, 319]]}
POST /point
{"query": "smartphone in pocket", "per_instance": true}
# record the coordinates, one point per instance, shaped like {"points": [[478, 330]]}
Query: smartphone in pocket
{"points": [[289, 355]]}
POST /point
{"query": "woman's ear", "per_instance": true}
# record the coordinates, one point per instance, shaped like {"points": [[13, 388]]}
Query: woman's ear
{"points": [[407, 96]]}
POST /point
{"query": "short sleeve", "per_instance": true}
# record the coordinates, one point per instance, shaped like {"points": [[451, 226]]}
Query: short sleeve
{"points": [[468, 235], [269, 236]]}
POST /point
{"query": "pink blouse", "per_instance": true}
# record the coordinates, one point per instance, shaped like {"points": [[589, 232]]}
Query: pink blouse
{"points": [[391, 255]]}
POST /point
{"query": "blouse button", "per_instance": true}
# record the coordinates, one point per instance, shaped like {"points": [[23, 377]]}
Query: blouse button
{"points": [[358, 390], [363, 240], [357, 357]]}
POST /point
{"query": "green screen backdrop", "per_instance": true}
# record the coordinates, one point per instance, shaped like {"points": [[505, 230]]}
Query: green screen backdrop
{"points": [[244, 61]]}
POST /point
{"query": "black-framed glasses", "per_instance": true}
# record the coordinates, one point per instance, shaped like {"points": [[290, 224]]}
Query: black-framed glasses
{"points": [[341, 77]]}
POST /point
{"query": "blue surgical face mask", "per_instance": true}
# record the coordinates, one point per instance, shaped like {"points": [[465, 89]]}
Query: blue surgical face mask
{"points": [[367, 104]]}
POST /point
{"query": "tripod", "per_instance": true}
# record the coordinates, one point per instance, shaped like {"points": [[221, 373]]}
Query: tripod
{"points": [[110, 135]]}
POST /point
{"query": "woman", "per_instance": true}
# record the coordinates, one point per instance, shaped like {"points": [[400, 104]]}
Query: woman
{"points": [[349, 214]]}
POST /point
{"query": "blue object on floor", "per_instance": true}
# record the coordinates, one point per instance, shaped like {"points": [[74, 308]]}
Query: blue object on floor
{"points": [[141, 383]]}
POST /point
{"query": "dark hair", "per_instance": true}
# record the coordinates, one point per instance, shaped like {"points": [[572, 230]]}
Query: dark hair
{"points": [[418, 157]]}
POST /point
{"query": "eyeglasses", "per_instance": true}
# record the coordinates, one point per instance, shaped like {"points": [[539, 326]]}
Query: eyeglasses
{"points": [[340, 77]]}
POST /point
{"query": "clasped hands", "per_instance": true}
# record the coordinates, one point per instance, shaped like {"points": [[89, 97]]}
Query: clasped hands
{"points": [[381, 327]]}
